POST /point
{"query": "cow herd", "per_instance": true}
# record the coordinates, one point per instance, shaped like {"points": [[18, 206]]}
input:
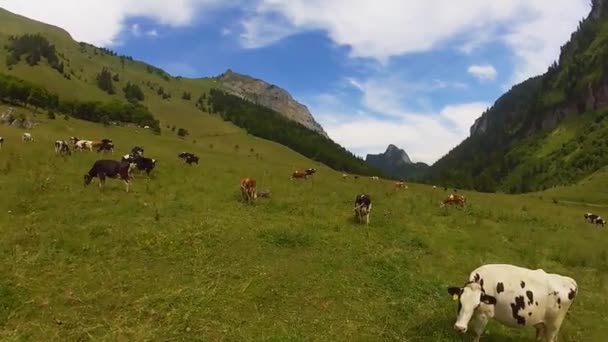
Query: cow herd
{"points": [[512, 295]]}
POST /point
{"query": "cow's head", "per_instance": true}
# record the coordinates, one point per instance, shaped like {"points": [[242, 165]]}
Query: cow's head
{"points": [[87, 179], [470, 298]]}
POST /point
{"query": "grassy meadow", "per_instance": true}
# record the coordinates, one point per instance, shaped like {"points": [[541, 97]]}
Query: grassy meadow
{"points": [[181, 259]]}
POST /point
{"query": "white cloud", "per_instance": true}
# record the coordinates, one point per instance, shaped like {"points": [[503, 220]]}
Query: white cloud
{"points": [[152, 33], [135, 30], [483, 72], [382, 29], [101, 21], [386, 118], [226, 31]]}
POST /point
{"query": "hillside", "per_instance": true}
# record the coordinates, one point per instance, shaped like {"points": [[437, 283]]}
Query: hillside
{"points": [[96, 84], [270, 96], [550, 130], [396, 163], [180, 258]]}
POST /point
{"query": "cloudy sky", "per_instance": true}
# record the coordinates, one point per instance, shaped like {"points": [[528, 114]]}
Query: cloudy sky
{"points": [[415, 73]]}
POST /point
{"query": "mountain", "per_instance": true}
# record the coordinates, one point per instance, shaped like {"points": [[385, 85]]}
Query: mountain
{"points": [[396, 163], [45, 69], [270, 96], [547, 131]]}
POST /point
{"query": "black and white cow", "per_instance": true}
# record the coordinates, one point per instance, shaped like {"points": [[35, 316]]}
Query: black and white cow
{"points": [[599, 221], [516, 297], [105, 146], [62, 147], [141, 163], [590, 218], [310, 171], [188, 158], [363, 206], [137, 151], [112, 169]]}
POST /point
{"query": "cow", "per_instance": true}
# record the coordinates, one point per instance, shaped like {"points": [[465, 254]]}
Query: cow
{"points": [[310, 171], [62, 147], [1, 142], [590, 218], [27, 137], [248, 190], [363, 207], [140, 163], [399, 185], [74, 140], [112, 169], [434, 187], [516, 297], [374, 178], [299, 175], [188, 158], [136, 150], [599, 221], [344, 176], [454, 199], [106, 146]]}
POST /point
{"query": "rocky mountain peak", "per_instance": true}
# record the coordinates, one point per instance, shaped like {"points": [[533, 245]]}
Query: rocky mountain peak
{"points": [[270, 96]]}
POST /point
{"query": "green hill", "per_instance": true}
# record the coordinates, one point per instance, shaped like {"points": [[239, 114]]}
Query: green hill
{"points": [[96, 84], [547, 131]]}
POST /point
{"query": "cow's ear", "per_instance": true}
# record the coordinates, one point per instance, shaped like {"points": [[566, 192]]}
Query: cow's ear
{"points": [[454, 291], [490, 300]]}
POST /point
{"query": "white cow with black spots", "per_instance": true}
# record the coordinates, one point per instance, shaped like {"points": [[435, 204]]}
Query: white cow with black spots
{"points": [[516, 297]]}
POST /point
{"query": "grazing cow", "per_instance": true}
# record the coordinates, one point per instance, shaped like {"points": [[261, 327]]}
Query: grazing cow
{"points": [[62, 147], [112, 169], [106, 146], [1, 142], [516, 297], [454, 199], [27, 137], [140, 163], [374, 178], [599, 221], [188, 158], [137, 151], [191, 159], [299, 175], [590, 218], [363, 206], [344, 176], [248, 190], [434, 187], [399, 185], [310, 171]]}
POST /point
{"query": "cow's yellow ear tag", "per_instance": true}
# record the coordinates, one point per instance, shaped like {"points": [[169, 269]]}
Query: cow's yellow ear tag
{"points": [[455, 297]]}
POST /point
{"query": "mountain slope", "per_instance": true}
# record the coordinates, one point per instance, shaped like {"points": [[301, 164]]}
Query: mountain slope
{"points": [[549, 130], [396, 163], [94, 83], [269, 96]]}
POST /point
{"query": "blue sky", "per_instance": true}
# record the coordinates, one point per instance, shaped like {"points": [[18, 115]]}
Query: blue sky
{"points": [[408, 72]]}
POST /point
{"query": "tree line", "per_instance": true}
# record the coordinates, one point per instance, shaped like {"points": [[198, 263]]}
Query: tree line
{"points": [[22, 93], [269, 124], [32, 47]]}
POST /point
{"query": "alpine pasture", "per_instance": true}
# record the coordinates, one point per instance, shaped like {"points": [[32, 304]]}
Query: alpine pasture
{"points": [[181, 258]]}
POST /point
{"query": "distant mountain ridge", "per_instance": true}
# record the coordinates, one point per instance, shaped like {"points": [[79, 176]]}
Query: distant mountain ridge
{"points": [[547, 131], [395, 162], [270, 96]]}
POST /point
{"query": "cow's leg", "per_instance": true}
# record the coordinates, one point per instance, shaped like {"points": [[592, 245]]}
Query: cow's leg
{"points": [[540, 332], [128, 183], [478, 325], [552, 327], [102, 179], [367, 218]]}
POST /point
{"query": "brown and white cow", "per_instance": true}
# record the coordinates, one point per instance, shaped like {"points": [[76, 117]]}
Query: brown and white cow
{"points": [[400, 185], [454, 199], [363, 207], [112, 169], [516, 297], [248, 190], [299, 175]]}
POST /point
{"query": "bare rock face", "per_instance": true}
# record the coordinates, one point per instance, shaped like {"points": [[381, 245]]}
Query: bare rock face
{"points": [[270, 96], [9, 118]]}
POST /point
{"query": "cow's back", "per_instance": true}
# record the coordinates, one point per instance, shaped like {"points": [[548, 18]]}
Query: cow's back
{"points": [[523, 296]]}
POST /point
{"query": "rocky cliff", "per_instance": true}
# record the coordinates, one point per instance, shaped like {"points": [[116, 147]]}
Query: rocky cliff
{"points": [[270, 96], [396, 163]]}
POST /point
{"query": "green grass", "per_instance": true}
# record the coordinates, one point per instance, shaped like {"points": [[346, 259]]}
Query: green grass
{"points": [[180, 258]]}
